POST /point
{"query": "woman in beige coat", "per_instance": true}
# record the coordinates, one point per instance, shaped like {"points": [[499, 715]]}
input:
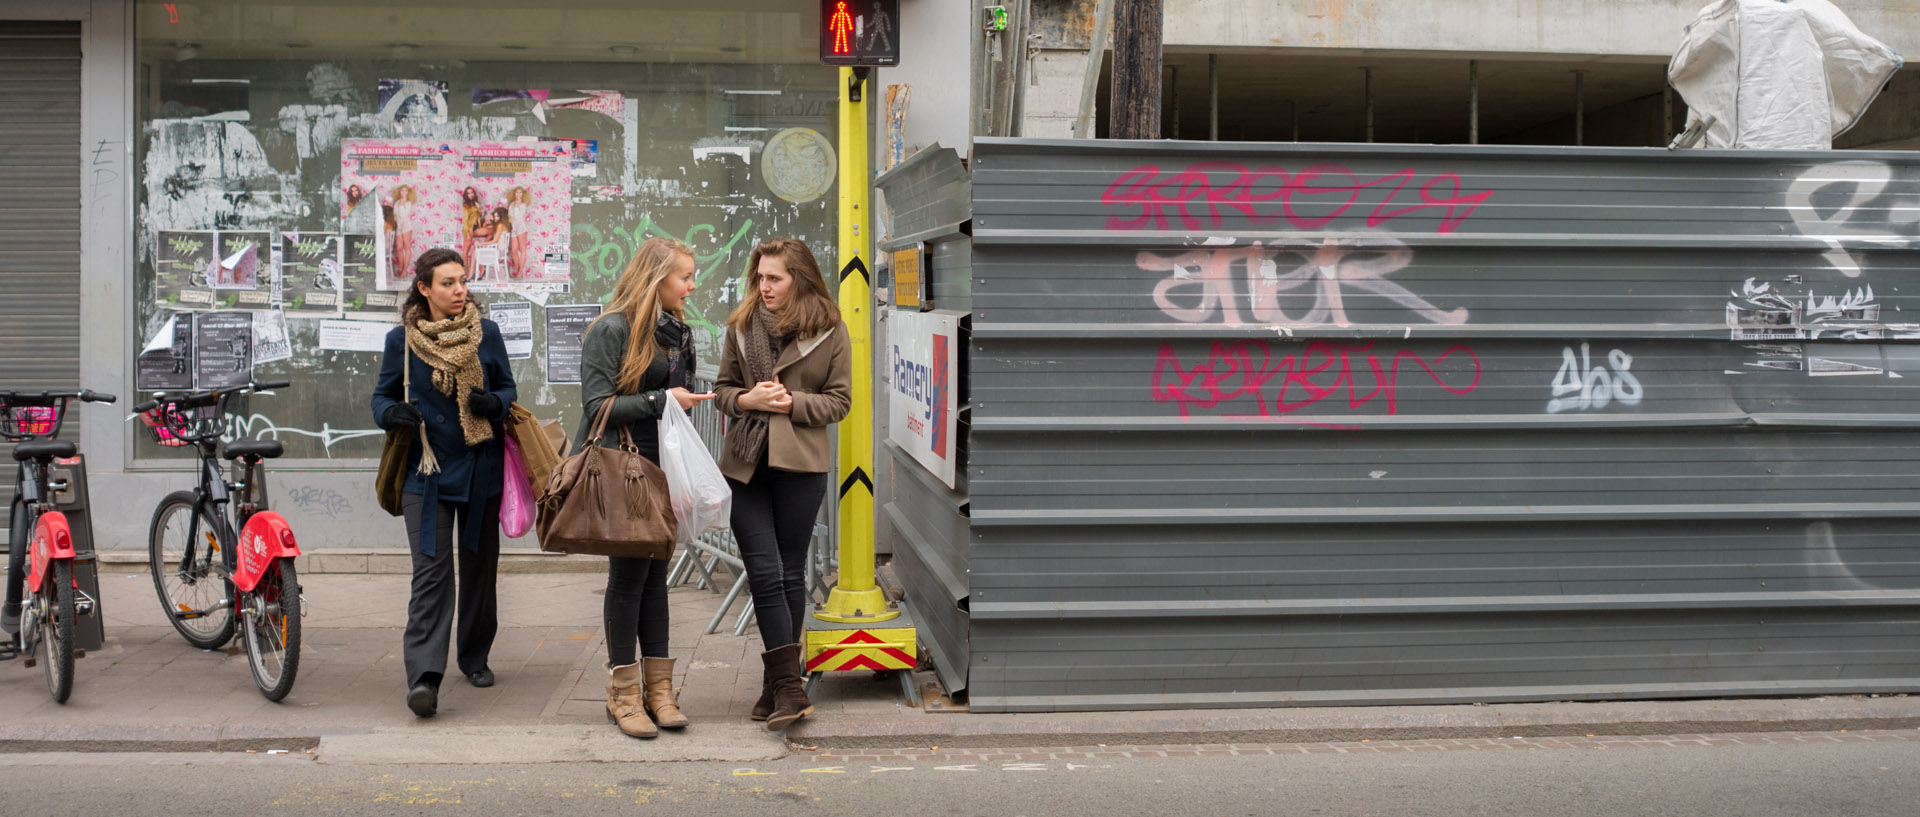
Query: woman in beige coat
{"points": [[786, 375]]}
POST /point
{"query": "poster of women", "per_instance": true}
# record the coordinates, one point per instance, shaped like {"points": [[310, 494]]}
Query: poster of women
{"points": [[504, 206]]}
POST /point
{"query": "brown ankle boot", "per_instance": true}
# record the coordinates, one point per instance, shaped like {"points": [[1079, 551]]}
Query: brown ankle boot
{"points": [[624, 706], [764, 707], [658, 673], [789, 688]]}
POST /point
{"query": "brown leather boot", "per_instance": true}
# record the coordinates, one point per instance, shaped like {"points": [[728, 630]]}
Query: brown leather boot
{"points": [[624, 706], [789, 687], [658, 673], [764, 707]]}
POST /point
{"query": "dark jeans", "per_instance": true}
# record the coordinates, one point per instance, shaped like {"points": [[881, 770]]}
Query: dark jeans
{"points": [[635, 609], [430, 612], [773, 518]]}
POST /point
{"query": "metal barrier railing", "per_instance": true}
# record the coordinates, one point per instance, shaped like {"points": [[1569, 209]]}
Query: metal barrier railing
{"points": [[712, 552]]}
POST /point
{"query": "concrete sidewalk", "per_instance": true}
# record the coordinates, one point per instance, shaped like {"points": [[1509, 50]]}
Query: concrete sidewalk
{"points": [[148, 690]]}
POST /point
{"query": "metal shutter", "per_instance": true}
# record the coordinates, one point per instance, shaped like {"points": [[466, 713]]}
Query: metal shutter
{"points": [[39, 213]]}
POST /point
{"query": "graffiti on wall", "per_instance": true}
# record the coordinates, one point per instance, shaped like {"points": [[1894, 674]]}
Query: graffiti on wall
{"points": [[1259, 379], [1309, 198], [1842, 200], [1205, 285], [1579, 385]]}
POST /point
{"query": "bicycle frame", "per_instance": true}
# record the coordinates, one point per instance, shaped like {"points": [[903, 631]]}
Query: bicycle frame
{"points": [[264, 535]]}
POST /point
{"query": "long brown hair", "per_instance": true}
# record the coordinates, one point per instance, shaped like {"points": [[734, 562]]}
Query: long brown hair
{"points": [[423, 274], [637, 297], [810, 308]]}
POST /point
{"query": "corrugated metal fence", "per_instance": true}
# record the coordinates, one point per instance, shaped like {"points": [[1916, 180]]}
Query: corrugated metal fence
{"points": [[1274, 424]]}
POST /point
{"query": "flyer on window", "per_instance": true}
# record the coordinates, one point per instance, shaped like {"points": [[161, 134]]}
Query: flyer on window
{"points": [[310, 280], [504, 206], [180, 261], [515, 319], [361, 297], [166, 362], [222, 350], [241, 271], [566, 328]]}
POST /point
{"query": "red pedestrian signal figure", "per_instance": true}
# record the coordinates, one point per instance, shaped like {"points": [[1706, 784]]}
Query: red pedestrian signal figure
{"points": [[842, 27]]}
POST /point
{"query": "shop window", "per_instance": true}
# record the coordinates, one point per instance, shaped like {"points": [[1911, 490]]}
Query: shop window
{"points": [[713, 127]]}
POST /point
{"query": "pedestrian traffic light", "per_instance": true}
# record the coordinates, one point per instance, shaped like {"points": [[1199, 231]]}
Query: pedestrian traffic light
{"points": [[860, 32]]}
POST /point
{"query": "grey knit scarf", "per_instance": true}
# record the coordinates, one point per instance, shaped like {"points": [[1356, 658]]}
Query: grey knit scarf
{"points": [[763, 346]]}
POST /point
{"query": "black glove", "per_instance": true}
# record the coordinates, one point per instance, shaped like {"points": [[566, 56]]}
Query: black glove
{"points": [[403, 415], [484, 404]]}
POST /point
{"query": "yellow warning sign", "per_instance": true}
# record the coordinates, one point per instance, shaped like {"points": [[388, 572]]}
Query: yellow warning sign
{"points": [[848, 650]]}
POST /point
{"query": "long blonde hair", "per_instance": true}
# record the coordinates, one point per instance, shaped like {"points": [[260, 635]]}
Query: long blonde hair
{"points": [[637, 297]]}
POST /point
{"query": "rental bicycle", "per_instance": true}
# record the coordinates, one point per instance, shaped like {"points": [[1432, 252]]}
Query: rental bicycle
{"points": [[51, 602], [212, 582]]}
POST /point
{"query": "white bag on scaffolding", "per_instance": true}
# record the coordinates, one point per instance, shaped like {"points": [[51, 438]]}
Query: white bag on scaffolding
{"points": [[702, 502]]}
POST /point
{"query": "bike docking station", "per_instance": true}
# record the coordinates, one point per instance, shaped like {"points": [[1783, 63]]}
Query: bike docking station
{"points": [[858, 628]]}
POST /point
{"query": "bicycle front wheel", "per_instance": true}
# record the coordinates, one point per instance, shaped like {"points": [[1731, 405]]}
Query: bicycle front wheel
{"points": [[190, 571], [270, 625], [56, 629]]}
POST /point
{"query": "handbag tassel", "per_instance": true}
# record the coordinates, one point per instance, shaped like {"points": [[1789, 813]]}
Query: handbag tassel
{"points": [[429, 464]]}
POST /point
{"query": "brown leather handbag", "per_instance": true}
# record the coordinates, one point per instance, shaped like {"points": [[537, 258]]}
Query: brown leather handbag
{"points": [[607, 501], [390, 483]]}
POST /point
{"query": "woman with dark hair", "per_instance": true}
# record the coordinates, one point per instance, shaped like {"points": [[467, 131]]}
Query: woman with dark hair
{"points": [[786, 375], [461, 385], [639, 354]]}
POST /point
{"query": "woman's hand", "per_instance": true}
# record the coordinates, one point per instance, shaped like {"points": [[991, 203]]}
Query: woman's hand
{"points": [[484, 404], [769, 396], [687, 399], [403, 415]]}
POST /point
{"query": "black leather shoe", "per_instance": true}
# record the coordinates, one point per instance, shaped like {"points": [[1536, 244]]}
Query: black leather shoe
{"points": [[481, 677], [424, 700]]}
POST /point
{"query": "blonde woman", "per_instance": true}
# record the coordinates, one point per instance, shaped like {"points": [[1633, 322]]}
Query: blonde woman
{"points": [[786, 376], [519, 209], [639, 354], [405, 200]]}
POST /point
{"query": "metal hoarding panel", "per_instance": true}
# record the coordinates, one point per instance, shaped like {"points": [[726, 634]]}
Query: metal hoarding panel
{"points": [[1261, 425]]}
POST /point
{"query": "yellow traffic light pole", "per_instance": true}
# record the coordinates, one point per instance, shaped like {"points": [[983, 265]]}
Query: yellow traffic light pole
{"points": [[842, 635]]}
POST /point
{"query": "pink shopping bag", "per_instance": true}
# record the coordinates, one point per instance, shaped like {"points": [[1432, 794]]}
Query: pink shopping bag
{"points": [[516, 494]]}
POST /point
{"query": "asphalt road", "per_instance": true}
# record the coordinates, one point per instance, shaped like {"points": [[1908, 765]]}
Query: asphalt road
{"points": [[1798, 779]]}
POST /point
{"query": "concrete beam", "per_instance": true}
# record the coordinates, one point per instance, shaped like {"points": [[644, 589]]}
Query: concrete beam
{"points": [[1531, 28]]}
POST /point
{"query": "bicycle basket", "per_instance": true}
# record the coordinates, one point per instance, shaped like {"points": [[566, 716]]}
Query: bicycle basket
{"points": [[155, 421], [33, 420]]}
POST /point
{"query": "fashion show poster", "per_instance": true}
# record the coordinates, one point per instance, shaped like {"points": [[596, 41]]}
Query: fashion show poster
{"points": [[506, 207]]}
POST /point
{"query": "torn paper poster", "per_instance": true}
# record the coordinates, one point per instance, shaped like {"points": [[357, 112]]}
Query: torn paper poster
{"points": [[538, 101], [353, 336], [240, 273], [416, 107], [222, 349], [310, 280], [270, 339], [515, 319], [566, 327], [1827, 367], [511, 199], [166, 362]]}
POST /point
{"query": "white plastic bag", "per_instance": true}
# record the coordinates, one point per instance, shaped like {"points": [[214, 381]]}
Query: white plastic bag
{"points": [[702, 501]]}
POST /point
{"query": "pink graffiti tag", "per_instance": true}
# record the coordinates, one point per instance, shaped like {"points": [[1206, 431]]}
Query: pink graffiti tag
{"points": [[1307, 199], [1325, 267], [1318, 371]]}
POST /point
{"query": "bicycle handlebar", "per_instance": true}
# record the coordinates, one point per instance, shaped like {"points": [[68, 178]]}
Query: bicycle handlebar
{"points": [[83, 395]]}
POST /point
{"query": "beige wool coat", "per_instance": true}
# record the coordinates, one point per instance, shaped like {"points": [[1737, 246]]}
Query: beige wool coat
{"points": [[818, 372]]}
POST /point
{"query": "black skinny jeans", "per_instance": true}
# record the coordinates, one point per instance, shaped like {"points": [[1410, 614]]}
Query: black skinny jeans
{"points": [[773, 518], [635, 609]]}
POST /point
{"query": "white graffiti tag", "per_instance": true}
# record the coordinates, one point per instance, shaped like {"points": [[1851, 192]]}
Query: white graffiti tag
{"points": [[1861, 215], [1582, 386], [1327, 268], [262, 427]]}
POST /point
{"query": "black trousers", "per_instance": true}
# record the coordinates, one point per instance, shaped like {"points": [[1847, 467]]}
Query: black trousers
{"points": [[773, 517], [430, 611], [635, 609]]}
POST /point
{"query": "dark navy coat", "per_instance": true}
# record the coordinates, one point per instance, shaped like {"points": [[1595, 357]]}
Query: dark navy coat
{"points": [[467, 474]]}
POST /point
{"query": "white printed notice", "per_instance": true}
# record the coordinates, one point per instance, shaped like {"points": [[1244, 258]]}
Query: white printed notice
{"points": [[270, 339], [516, 327], [354, 336]]}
